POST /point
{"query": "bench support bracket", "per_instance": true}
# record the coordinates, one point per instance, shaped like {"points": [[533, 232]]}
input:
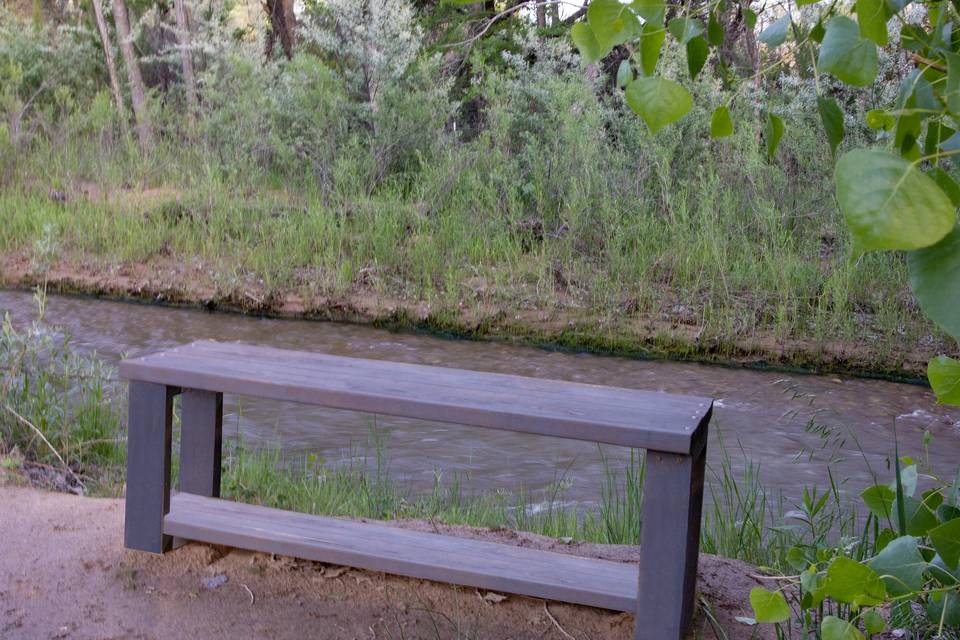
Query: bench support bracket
{"points": [[669, 542]]}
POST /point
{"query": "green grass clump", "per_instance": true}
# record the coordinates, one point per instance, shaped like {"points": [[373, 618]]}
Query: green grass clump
{"points": [[59, 407]]}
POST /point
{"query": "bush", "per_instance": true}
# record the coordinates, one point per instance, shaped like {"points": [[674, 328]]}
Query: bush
{"points": [[57, 405], [283, 117]]}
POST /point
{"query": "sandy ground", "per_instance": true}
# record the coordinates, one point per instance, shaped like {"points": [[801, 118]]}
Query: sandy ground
{"points": [[64, 574]]}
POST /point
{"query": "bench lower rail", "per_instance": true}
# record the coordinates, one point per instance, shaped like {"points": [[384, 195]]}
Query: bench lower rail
{"points": [[380, 547]]}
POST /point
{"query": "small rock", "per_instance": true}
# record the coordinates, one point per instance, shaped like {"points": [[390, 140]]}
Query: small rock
{"points": [[334, 572], [214, 582], [494, 598]]}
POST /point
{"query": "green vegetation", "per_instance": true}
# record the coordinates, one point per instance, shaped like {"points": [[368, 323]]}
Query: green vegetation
{"points": [[532, 203], [62, 413], [902, 198], [457, 165], [58, 407]]}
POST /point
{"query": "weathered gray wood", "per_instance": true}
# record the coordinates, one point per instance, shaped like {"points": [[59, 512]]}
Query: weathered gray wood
{"points": [[379, 547], [201, 438], [672, 428], [148, 465], [670, 542], [628, 417]]}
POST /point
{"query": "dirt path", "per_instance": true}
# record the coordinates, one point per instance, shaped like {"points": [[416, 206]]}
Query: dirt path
{"points": [[64, 574]]}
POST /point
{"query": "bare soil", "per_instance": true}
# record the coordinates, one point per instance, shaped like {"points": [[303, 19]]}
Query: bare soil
{"points": [[65, 574]]}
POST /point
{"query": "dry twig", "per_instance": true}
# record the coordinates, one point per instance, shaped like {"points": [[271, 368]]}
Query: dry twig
{"points": [[546, 610], [37, 431]]}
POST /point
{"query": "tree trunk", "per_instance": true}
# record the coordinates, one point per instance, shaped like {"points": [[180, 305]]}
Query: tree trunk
{"points": [[282, 25], [138, 95], [186, 56], [111, 64], [541, 16], [554, 11]]}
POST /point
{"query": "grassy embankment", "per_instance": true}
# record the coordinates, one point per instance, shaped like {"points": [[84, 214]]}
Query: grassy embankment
{"points": [[703, 278], [532, 206]]}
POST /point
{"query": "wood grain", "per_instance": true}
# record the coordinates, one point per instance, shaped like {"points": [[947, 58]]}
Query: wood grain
{"points": [[611, 415], [379, 547]]}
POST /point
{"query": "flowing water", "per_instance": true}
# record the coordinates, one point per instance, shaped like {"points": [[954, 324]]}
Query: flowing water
{"points": [[769, 415]]}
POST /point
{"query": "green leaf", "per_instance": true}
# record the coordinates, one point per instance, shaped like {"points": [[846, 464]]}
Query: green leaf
{"points": [[901, 566], [937, 135], [947, 512], [854, 583], [935, 280], [908, 477], [624, 74], [913, 37], [872, 16], [950, 187], [944, 376], [949, 601], [613, 23], [879, 499], [873, 622], [832, 118], [946, 540], [653, 11], [811, 583], [940, 572], [769, 606], [697, 52], [715, 33], [776, 34], [750, 18], [885, 537], [817, 32], [846, 55], [797, 558], [833, 628], [772, 133], [651, 41], [590, 49], [685, 29], [889, 204], [951, 92], [880, 119], [658, 101], [803, 3], [721, 125], [920, 519]]}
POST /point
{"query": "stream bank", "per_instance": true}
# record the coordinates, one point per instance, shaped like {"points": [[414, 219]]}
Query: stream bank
{"points": [[672, 335]]}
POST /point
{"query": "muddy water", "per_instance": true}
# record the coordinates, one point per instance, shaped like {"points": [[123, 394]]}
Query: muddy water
{"points": [[766, 414]]}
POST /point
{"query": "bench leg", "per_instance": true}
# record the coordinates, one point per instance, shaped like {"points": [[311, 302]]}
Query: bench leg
{"points": [[669, 544], [148, 466], [201, 439]]}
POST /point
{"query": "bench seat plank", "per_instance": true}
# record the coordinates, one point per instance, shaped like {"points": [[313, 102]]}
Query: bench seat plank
{"points": [[380, 547], [612, 415]]}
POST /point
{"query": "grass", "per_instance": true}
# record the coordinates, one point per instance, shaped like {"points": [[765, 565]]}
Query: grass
{"points": [[557, 218]]}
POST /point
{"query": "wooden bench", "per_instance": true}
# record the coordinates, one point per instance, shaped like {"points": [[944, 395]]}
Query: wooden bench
{"points": [[672, 428]]}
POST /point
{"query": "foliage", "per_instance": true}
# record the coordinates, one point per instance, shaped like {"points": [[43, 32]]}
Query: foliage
{"points": [[902, 198], [906, 557], [58, 405], [372, 43]]}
